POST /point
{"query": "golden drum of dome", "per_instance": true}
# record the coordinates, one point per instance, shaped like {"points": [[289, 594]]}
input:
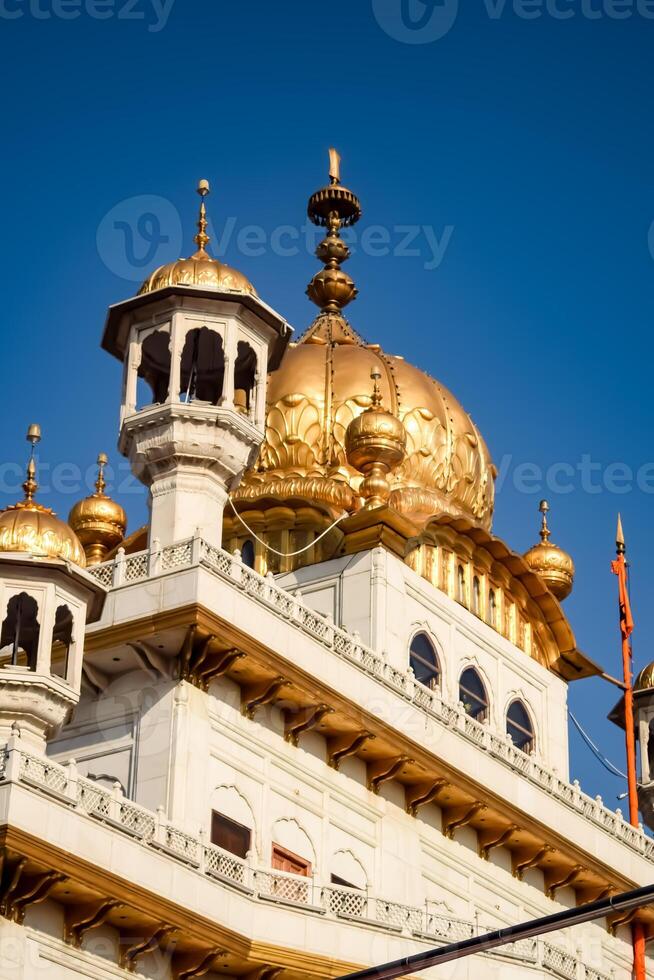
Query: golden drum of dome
{"points": [[32, 529], [323, 384], [201, 271]]}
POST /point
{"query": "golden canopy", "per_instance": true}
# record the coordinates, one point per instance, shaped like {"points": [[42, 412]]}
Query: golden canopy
{"points": [[322, 384]]}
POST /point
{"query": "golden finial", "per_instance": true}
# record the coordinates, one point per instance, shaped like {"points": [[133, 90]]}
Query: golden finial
{"points": [[545, 532], [620, 545], [202, 239], [101, 483], [30, 486], [554, 565], [333, 207]]}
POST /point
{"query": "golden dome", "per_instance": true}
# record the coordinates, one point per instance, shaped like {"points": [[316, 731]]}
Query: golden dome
{"points": [[551, 563], [323, 384], [98, 521], [29, 528], [200, 269], [645, 679]]}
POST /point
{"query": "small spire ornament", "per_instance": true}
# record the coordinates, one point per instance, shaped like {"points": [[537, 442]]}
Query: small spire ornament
{"points": [[202, 239], [333, 207]]}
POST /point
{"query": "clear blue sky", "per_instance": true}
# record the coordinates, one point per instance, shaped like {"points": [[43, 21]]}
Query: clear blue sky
{"points": [[523, 145]]}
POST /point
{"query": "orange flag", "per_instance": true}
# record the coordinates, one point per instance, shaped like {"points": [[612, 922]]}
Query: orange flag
{"points": [[619, 568]]}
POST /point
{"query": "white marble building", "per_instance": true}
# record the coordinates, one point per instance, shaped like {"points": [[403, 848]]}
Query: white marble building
{"points": [[302, 722]]}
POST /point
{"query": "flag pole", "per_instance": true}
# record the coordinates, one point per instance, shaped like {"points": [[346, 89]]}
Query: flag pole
{"points": [[619, 568]]}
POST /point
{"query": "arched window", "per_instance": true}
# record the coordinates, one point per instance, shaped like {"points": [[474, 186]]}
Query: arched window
{"points": [[476, 595], [19, 637], [245, 372], [519, 727], [247, 553], [154, 369], [62, 640], [202, 368], [424, 661], [492, 609], [472, 694], [461, 585]]}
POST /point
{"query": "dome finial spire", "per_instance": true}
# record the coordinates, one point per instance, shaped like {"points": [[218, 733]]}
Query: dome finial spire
{"points": [[333, 207], [545, 532], [30, 486], [101, 483], [202, 239]]}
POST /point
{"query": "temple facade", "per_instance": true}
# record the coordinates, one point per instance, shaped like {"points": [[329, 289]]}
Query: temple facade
{"points": [[313, 715]]}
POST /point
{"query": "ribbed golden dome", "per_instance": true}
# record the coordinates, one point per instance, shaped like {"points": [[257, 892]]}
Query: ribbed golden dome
{"points": [[98, 521], [322, 384], [29, 528], [645, 679], [551, 563], [200, 269]]}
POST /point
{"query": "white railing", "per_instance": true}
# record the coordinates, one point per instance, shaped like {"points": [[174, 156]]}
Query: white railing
{"points": [[128, 569], [153, 830]]}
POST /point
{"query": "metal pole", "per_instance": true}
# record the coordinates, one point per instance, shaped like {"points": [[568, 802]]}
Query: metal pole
{"points": [[626, 626], [527, 930]]}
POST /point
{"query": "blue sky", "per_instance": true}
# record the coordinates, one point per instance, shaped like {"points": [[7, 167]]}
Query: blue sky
{"points": [[517, 149]]}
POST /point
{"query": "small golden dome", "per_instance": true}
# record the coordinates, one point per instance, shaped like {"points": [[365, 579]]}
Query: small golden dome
{"points": [[29, 528], [645, 679], [200, 269], [551, 563], [98, 521]]}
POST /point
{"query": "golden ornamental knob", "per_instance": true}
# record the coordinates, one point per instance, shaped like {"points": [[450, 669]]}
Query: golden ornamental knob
{"points": [[375, 444], [551, 563]]}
